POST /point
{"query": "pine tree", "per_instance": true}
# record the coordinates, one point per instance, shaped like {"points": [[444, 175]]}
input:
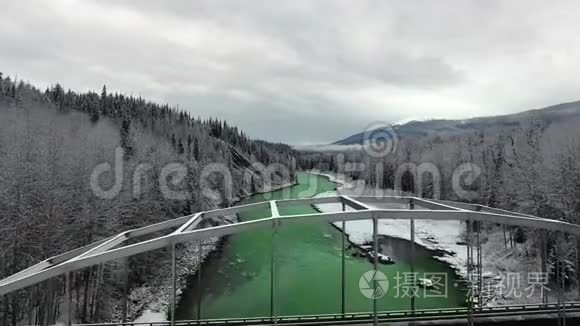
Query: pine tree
{"points": [[196, 149], [180, 149], [126, 141], [104, 100], [189, 144], [94, 114], [253, 185]]}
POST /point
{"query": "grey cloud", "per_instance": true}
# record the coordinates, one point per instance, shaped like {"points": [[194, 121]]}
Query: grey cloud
{"points": [[302, 71], [321, 41]]}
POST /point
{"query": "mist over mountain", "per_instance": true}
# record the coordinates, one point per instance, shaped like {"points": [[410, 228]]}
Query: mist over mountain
{"points": [[549, 115]]}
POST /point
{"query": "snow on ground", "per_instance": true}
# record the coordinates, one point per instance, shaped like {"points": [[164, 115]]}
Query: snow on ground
{"points": [[434, 235], [340, 179], [149, 316], [151, 301], [443, 236]]}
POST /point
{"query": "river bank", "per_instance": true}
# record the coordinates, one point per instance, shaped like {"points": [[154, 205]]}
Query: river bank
{"points": [[448, 239], [150, 302]]}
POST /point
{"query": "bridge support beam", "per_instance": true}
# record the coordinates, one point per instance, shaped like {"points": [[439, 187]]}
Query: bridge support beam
{"points": [[273, 274], [544, 260], [412, 237], [173, 284], [343, 267], [68, 299], [375, 267], [469, 273], [559, 293], [125, 302], [577, 260], [199, 271], [479, 267], [560, 278]]}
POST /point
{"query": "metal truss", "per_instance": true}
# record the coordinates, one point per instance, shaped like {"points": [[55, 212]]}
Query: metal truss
{"points": [[113, 248], [186, 228]]}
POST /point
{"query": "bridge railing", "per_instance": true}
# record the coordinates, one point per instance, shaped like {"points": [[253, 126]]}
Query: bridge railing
{"points": [[384, 316]]}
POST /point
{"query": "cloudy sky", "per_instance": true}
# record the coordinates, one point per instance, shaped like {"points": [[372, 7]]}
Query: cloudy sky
{"points": [[304, 72]]}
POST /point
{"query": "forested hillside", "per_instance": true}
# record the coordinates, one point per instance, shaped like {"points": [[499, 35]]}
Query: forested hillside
{"points": [[50, 142], [532, 167]]}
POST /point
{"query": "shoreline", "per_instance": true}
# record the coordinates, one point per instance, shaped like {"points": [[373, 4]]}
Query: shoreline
{"points": [[446, 239], [158, 310], [446, 244], [332, 178]]}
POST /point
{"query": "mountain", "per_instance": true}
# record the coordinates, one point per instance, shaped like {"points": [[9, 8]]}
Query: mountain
{"points": [[550, 115]]}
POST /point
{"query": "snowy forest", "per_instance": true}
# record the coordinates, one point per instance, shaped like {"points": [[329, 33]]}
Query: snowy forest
{"points": [[531, 167], [49, 143]]}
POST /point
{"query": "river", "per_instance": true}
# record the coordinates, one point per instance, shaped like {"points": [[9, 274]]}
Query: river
{"points": [[236, 279]]}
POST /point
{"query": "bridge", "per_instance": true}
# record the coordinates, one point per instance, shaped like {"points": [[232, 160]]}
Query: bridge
{"points": [[187, 228]]}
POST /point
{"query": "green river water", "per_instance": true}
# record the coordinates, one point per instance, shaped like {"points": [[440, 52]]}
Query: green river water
{"points": [[236, 279]]}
